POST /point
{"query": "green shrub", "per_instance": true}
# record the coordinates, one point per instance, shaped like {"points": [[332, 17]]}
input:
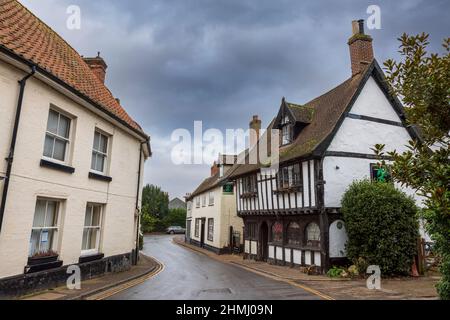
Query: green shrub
{"points": [[382, 227], [149, 223], [335, 272]]}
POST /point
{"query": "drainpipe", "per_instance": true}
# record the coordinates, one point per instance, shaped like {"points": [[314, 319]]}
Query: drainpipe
{"points": [[138, 189], [10, 157]]}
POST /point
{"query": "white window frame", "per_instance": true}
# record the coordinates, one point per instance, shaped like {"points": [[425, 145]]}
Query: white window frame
{"points": [[203, 200], [55, 228], [56, 136], [98, 228], [197, 202], [101, 153], [210, 236], [211, 198]]}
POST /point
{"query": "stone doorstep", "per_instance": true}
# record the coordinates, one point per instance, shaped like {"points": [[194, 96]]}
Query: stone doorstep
{"points": [[97, 285]]}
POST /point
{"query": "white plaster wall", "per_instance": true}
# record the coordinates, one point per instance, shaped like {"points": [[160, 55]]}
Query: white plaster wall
{"points": [[373, 103], [224, 214], [317, 259], [359, 136], [287, 255], [271, 252], [30, 181], [297, 256]]}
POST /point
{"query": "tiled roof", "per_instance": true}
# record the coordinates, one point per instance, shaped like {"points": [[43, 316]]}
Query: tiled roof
{"points": [[25, 35], [321, 116], [207, 184]]}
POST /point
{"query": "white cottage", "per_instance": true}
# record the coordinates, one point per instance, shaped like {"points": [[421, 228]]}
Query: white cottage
{"points": [[294, 217], [212, 222], [70, 185]]}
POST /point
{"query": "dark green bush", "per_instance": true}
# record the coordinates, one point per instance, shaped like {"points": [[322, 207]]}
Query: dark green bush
{"points": [[382, 227]]}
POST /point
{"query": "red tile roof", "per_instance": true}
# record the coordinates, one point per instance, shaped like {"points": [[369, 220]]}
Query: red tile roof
{"points": [[25, 35]]}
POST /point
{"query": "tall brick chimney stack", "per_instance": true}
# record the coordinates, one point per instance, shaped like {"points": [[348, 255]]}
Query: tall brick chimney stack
{"points": [[98, 66], [361, 50], [255, 129]]}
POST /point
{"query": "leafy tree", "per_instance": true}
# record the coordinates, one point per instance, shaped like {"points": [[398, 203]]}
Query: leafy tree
{"points": [[176, 217], [382, 227], [155, 201], [422, 82]]}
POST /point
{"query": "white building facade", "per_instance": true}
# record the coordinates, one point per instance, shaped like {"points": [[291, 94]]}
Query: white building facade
{"points": [[212, 221], [71, 184]]}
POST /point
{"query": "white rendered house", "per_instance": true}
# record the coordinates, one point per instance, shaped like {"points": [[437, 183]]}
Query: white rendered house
{"points": [[70, 187]]}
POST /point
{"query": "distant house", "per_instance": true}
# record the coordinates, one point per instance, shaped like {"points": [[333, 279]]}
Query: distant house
{"points": [[177, 203], [212, 221], [70, 187]]}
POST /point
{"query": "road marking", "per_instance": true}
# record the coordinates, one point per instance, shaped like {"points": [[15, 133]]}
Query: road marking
{"points": [[111, 292], [292, 283], [273, 277]]}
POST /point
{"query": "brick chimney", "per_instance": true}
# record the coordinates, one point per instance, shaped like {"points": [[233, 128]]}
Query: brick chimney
{"points": [[361, 50], [255, 129], [98, 66], [215, 169]]}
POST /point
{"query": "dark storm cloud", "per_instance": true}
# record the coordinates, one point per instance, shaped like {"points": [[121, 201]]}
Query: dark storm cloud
{"points": [[173, 62]]}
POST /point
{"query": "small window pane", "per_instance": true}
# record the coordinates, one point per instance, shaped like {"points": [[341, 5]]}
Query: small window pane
{"points": [[48, 146], [96, 141], [96, 216], [64, 126], [103, 143], [39, 215], [100, 161], [88, 217], [50, 218], [52, 124], [60, 150]]}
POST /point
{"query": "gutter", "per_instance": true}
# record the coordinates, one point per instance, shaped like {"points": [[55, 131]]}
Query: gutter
{"points": [[10, 158]]}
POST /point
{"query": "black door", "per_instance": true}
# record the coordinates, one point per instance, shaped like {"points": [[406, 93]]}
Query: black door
{"points": [[202, 233], [263, 241]]}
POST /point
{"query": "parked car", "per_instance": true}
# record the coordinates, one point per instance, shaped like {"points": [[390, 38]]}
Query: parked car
{"points": [[175, 229]]}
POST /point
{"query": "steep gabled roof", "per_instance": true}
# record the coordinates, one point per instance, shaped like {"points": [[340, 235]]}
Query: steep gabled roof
{"points": [[27, 37], [327, 112]]}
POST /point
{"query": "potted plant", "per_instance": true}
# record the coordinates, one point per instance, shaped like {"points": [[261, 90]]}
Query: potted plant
{"points": [[42, 257]]}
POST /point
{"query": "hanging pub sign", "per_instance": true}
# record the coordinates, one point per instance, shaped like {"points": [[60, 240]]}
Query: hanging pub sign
{"points": [[228, 188]]}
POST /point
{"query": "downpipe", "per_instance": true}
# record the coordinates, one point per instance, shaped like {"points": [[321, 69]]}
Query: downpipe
{"points": [[10, 158]]}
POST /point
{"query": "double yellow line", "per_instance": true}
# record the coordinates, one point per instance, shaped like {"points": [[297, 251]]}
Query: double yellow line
{"points": [[113, 291]]}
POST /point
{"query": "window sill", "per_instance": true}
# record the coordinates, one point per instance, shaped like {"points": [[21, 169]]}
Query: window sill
{"points": [[57, 166], [91, 257], [96, 176]]}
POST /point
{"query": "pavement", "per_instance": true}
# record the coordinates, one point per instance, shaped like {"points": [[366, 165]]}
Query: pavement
{"points": [[405, 288], [96, 289]]}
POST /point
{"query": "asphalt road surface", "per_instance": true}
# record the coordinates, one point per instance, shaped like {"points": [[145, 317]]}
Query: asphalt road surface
{"points": [[189, 275]]}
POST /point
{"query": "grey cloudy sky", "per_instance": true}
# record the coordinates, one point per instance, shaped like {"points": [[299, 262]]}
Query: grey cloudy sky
{"points": [[172, 62]]}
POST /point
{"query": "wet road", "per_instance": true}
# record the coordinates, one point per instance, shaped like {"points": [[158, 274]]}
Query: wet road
{"points": [[189, 275]]}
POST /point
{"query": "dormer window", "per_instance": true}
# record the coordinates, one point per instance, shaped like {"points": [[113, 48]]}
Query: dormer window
{"points": [[286, 131]]}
